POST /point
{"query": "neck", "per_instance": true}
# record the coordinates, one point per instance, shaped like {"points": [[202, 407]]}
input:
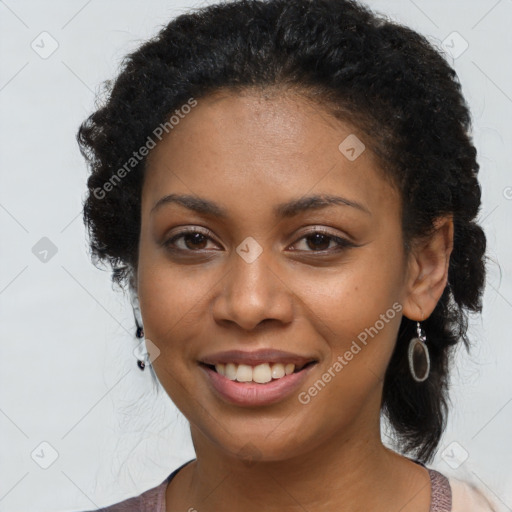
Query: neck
{"points": [[353, 473]]}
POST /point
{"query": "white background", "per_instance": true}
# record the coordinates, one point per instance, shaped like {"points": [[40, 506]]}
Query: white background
{"points": [[68, 376]]}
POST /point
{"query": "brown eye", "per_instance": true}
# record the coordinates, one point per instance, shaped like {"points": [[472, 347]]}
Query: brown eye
{"points": [[190, 240], [318, 241], [195, 240]]}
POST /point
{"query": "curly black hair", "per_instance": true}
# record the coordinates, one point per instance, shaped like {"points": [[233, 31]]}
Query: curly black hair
{"points": [[383, 78]]}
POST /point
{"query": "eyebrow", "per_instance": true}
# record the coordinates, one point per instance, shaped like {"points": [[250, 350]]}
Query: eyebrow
{"points": [[288, 209]]}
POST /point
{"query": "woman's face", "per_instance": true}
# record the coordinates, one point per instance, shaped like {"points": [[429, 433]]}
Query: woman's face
{"points": [[268, 275]]}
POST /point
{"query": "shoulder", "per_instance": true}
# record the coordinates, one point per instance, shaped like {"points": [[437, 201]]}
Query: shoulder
{"points": [[152, 500], [468, 497], [450, 494]]}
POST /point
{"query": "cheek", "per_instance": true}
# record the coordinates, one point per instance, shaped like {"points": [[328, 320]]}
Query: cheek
{"points": [[358, 316], [173, 306], [173, 300], [352, 296], [356, 310]]}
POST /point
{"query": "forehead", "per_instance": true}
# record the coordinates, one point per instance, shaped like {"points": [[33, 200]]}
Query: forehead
{"points": [[271, 143]]}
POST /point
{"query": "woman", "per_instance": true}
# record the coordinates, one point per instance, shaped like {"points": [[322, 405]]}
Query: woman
{"points": [[289, 191]]}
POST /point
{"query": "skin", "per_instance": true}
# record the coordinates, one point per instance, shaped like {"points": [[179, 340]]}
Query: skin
{"points": [[248, 152]]}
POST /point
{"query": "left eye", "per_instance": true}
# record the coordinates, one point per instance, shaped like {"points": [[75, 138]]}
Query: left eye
{"points": [[319, 241]]}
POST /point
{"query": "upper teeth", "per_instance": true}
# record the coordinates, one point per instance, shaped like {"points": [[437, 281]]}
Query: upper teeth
{"points": [[261, 373]]}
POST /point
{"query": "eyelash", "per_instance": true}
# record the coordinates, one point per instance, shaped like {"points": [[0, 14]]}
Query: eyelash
{"points": [[342, 243]]}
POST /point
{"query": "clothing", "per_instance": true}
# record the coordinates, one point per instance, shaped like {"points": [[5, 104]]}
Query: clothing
{"points": [[448, 495]]}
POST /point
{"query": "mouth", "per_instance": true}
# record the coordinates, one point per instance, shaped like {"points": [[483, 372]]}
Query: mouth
{"points": [[262, 373], [256, 378]]}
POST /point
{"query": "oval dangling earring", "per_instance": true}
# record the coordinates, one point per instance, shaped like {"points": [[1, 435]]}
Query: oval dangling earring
{"points": [[419, 357]]}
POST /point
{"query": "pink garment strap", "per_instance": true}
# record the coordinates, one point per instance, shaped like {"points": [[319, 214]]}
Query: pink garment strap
{"points": [[441, 500]]}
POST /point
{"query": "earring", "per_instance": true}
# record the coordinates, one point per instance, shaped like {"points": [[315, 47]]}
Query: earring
{"points": [[419, 358], [139, 333]]}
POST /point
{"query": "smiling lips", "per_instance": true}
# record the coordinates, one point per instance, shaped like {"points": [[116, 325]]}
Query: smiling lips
{"points": [[255, 378], [261, 373], [259, 366]]}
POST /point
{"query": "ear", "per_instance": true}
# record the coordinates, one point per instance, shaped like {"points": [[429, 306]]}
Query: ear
{"points": [[427, 271]]}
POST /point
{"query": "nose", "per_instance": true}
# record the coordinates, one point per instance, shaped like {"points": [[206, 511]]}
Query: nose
{"points": [[252, 294]]}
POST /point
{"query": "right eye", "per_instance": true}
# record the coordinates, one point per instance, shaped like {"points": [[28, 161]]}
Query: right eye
{"points": [[189, 240]]}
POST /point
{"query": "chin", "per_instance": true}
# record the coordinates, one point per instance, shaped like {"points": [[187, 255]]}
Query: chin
{"points": [[268, 442]]}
